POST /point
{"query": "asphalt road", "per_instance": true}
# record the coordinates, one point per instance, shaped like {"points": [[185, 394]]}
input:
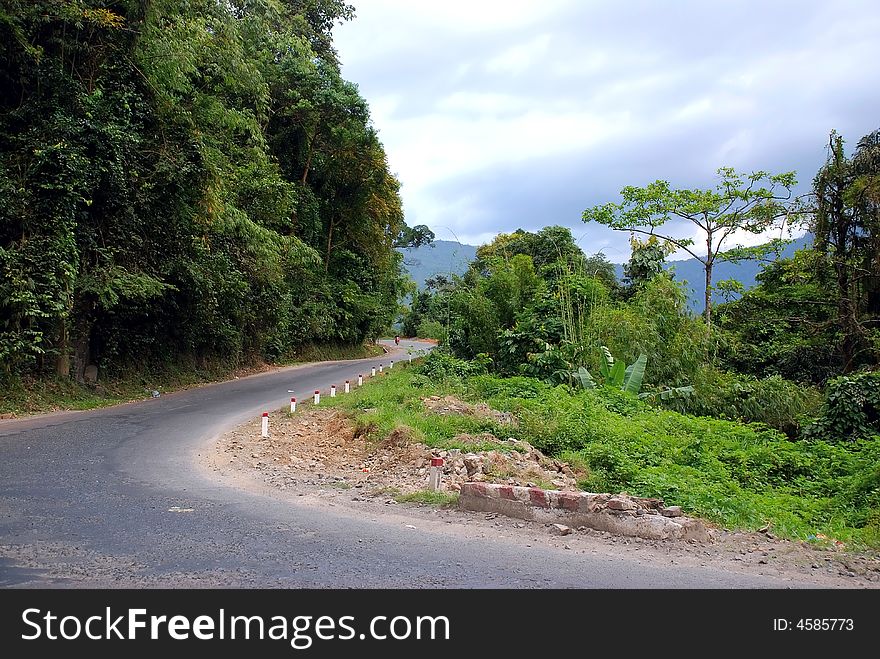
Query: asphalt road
{"points": [[86, 500]]}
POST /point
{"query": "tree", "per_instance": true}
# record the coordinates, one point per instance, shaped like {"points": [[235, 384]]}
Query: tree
{"points": [[846, 225], [186, 179], [754, 203], [598, 266], [646, 261], [786, 325], [414, 237]]}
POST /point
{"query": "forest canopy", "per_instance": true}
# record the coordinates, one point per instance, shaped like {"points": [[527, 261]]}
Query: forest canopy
{"points": [[186, 178]]}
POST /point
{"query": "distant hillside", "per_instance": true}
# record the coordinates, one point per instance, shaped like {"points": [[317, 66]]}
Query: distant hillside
{"points": [[446, 256], [441, 257], [691, 271]]}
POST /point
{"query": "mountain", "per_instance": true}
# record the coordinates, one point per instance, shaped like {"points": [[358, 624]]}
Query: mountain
{"points": [[691, 271], [442, 257]]}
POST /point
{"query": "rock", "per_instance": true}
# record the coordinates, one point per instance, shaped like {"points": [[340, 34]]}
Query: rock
{"points": [[473, 463], [617, 503], [671, 511], [90, 374], [560, 529]]}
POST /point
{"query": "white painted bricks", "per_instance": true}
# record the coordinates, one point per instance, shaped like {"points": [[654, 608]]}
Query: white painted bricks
{"points": [[265, 426], [604, 512]]}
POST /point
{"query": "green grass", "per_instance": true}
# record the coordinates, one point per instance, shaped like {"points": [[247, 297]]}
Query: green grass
{"points": [[736, 475], [394, 400], [32, 396], [429, 497]]}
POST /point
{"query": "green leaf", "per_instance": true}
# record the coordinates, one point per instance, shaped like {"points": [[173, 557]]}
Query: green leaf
{"points": [[636, 372], [583, 377], [606, 363], [617, 374]]}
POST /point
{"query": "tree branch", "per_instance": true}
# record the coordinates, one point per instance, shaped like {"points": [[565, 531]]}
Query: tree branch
{"points": [[672, 240]]}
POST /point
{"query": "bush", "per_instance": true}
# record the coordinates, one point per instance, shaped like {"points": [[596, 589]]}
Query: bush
{"points": [[774, 401], [655, 322], [488, 386], [431, 329], [440, 365], [851, 410]]}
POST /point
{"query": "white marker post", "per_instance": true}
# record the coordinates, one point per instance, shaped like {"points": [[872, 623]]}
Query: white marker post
{"points": [[391, 365], [434, 478], [317, 396], [347, 387], [360, 380], [410, 357], [265, 429], [332, 391], [293, 404], [373, 372], [381, 367]]}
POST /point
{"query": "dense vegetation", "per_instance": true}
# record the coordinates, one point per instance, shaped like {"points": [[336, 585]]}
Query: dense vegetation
{"points": [[739, 476], [765, 409], [186, 181]]}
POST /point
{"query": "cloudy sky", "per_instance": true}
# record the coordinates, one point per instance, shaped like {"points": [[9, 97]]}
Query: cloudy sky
{"points": [[498, 115]]}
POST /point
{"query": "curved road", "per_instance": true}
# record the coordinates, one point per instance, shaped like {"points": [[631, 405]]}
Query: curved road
{"points": [[85, 499]]}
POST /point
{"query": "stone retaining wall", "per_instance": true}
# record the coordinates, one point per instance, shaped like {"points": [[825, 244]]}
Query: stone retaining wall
{"points": [[615, 513]]}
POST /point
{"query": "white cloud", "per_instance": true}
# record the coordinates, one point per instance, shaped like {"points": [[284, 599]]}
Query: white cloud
{"points": [[519, 92], [521, 57]]}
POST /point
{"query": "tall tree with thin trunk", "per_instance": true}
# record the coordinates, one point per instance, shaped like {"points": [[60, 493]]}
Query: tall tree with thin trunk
{"points": [[754, 203], [846, 224]]}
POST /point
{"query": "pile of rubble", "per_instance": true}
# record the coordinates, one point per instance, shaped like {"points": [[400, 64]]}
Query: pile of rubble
{"points": [[318, 446]]}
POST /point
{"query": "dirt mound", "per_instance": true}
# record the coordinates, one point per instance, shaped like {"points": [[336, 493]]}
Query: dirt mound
{"points": [[324, 446], [452, 405]]}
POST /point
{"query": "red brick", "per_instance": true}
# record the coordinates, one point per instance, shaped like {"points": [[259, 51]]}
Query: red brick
{"points": [[568, 501], [506, 492], [475, 489], [538, 497]]}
